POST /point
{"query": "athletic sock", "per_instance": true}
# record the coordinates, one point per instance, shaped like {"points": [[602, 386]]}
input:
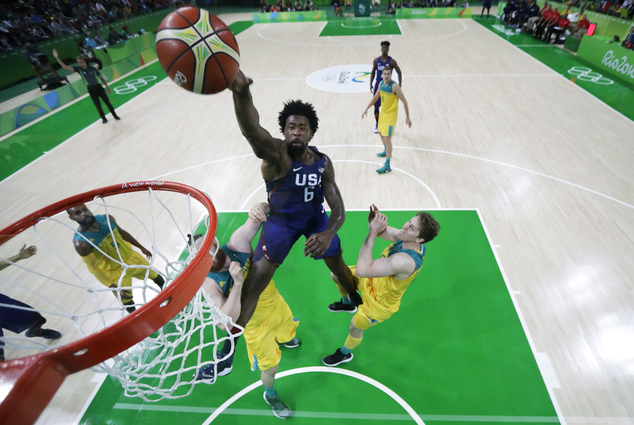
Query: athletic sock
{"points": [[350, 344], [346, 300], [270, 392]]}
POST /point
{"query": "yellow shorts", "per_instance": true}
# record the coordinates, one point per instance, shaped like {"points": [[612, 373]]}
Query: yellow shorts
{"points": [[371, 311], [387, 122], [111, 277], [272, 322]]}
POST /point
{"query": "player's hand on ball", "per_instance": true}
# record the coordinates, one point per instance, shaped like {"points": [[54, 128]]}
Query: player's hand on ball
{"points": [[373, 210], [241, 83], [378, 223]]}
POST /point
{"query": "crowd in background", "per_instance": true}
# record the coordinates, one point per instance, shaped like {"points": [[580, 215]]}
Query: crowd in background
{"points": [[32, 21], [555, 21]]}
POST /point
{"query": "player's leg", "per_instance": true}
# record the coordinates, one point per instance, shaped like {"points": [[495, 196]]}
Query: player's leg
{"points": [[137, 259], [280, 409], [359, 323], [349, 301], [276, 241], [387, 141]]}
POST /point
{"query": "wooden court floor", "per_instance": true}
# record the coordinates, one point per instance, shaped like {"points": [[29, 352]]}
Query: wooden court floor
{"points": [[547, 165]]}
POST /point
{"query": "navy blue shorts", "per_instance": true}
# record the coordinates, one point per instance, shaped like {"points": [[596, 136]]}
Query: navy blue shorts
{"points": [[14, 319], [281, 231]]}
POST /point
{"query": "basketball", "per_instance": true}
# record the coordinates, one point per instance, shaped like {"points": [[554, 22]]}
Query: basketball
{"points": [[197, 50]]}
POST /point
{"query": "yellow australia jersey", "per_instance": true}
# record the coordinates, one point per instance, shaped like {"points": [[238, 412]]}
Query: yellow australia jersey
{"points": [[389, 99], [107, 242], [385, 293]]}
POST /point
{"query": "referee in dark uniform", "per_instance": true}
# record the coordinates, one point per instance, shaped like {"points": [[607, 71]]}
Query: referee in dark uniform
{"points": [[91, 77]]}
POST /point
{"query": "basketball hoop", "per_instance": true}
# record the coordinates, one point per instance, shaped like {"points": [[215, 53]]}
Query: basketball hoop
{"points": [[27, 384]]}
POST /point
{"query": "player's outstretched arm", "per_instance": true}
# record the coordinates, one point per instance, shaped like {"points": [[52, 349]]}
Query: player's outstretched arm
{"points": [[24, 253], [243, 236], [318, 243], [263, 144]]}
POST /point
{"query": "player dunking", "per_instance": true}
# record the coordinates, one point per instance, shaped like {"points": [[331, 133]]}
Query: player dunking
{"points": [[298, 178], [377, 69]]}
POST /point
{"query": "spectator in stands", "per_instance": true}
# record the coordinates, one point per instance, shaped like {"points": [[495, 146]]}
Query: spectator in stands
{"points": [[582, 25], [628, 43], [40, 62], [90, 42], [558, 28], [549, 18], [390, 8], [113, 37], [531, 23], [100, 40], [125, 32], [87, 54], [336, 6]]}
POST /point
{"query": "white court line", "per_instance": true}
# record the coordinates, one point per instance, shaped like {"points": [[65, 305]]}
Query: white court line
{"points": [[321, 369], [503, 164], [561, 76], [346, 39], [543, 362]]}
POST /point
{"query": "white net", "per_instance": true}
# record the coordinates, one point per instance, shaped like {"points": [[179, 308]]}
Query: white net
{"points": [[58, 286]]}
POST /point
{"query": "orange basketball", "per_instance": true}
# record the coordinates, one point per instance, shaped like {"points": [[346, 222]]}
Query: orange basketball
{"points": [[197, 50]]}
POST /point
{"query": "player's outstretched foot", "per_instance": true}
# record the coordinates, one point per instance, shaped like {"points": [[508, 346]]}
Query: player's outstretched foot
{"points": [[293, 343], [340, 306], [43, 333], [385, 169], [337, 358], [116, 117], [104, 121], [280, 409]]}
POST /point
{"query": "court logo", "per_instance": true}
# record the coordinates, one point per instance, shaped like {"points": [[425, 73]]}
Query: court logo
{"points": [[342, 79], [586, 74], [132, 85], [620, 65]]}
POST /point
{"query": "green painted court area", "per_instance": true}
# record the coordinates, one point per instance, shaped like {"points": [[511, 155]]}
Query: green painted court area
{"points": [[361, 26], [456, 352]]}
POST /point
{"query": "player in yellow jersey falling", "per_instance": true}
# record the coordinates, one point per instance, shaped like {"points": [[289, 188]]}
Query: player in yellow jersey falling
{"points": [[390, 93], [104, 246], [382, 282]]}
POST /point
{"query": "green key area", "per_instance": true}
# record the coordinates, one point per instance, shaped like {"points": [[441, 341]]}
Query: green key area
{"points": [[455, 352]]}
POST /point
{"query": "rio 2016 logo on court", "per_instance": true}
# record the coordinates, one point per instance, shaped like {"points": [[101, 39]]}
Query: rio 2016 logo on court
{"points": [[343, 79]]}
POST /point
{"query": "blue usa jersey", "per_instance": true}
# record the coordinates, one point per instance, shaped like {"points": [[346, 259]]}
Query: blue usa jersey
{"points": [[299, 191], [379, 70]]}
